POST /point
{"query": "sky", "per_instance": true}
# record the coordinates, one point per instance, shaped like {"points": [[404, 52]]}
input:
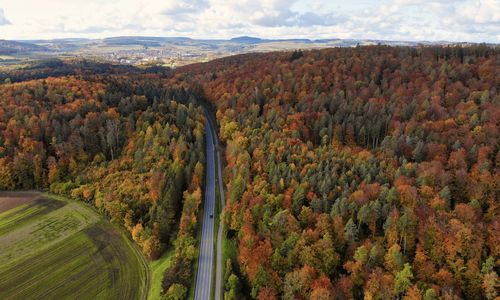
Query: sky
{"points": [[409, 20]]}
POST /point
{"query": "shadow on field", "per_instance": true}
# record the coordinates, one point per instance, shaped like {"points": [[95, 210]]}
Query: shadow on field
{"points": [[10, 200], [102, 239], [49, 204]]}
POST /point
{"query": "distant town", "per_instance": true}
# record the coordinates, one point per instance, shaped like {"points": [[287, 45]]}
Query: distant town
{"points": [[166, 51]]}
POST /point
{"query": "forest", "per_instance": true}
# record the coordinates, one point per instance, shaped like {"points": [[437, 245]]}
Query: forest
{"points": [[350, 173], [359, 173], [126, 144]]}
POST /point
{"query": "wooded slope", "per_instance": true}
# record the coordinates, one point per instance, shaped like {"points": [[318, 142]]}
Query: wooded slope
{"points": [[367, 172]]}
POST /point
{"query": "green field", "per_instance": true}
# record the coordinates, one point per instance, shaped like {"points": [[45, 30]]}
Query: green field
{"points": [[157, 268], [60, 249], [22, 214]]}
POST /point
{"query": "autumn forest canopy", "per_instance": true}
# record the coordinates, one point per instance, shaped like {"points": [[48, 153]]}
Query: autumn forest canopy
{"points": [[367, 172]]}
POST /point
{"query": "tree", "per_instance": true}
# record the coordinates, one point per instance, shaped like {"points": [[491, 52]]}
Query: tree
{"points": [[379, 285], [403, 279], [298, 283], [152, 247], [6, 178], [321, 289], [413, 293], [488, 265], [176, 292], [298, 199], [430, 294], [376, 257], [296, 55], [419, 152], [112, 136], [53, 172], [137, 232], [394, 259], [351, 232], [445, 193], [232, 288], [261, 281], [361, 255], [490, 285], [237, 189]]}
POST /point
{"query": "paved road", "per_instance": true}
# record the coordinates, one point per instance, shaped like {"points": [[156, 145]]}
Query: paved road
{"points": [[219, 262], [206, 254]]}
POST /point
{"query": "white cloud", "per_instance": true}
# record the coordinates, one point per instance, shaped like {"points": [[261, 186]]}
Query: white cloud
{"points": [[460, 20], [184, 7], [482, 12], [3, 19]]}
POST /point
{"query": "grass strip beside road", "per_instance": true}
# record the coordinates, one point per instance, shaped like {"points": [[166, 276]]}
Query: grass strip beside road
{"points": [[158, 268]]}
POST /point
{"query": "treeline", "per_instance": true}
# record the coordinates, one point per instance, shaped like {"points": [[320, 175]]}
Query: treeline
{"points": [[368, 172], [56, 67], [126, 144]]}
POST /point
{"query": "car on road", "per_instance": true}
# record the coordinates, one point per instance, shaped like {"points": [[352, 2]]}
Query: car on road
{"points": [[211, 216]]}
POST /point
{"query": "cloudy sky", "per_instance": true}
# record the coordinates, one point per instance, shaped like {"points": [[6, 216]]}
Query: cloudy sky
{"points": [[452, 20]]}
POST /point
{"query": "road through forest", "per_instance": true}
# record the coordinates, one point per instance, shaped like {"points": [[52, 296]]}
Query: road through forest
{"points": [[206, 249]]}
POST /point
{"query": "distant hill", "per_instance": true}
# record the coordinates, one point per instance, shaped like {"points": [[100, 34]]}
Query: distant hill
{"points": [[144, 41], [13, 47], [172, 51], [246, 40]]}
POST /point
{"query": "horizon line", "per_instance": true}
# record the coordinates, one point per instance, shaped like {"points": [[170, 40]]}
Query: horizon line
{"points": [[253, 37]]}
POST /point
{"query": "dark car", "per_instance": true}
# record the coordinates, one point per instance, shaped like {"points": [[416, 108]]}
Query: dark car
{"points": [[211, 216]]}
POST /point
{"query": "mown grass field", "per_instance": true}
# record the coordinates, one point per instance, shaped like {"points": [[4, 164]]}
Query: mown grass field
{"points": [[61, 249]]}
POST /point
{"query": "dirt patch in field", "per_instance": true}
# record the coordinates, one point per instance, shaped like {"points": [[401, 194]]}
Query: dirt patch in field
{"points": [[48, 203], [9, 200]]}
